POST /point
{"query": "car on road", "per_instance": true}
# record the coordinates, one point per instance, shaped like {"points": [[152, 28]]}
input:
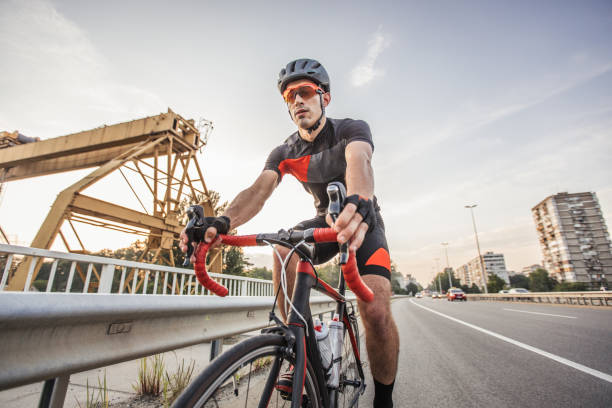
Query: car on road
{"points": [[518, 290], [419, 295], [455, 294], [435, 295], [503, 291]]}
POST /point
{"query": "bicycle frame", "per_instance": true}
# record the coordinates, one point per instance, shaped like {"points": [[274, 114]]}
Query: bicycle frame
{"points": [[306, 346]]}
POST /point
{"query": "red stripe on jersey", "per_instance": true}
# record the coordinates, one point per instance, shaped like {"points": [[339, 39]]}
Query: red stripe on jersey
{"points": [[381, 258], [297, 167]]}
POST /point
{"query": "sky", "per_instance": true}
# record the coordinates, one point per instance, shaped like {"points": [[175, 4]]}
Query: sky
{"points": [[499, 104]]}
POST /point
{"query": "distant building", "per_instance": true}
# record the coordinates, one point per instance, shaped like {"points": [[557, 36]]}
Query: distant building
{"points": [[408, 279], [574, 238], [463, 274], [493, 264], [531, 268]]}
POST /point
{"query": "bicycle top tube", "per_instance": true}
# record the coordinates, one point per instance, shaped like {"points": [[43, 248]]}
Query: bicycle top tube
{"points": [[289, 239]]}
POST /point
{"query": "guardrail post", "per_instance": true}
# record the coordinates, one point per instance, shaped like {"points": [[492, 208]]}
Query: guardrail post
{"points": [[215, 348], [54, 392], [106, 279], [243, 288]]}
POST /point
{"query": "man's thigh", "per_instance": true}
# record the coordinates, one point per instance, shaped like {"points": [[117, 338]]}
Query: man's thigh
{"points": [[373, 255]]}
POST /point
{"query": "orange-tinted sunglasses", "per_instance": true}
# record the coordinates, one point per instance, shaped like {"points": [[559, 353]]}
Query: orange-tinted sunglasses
{"points": [[306, 91]]}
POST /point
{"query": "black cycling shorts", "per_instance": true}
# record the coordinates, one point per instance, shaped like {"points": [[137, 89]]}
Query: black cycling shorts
{"points": [[372, 257]]}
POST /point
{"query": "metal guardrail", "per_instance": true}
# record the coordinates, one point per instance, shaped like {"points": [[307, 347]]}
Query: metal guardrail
{"points": [[53, 335], [568, 298], [96, 274]]}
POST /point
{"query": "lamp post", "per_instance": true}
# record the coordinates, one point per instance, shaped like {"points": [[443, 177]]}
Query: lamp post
{"points": [[484, 277], [438, 273], [450, 282]]}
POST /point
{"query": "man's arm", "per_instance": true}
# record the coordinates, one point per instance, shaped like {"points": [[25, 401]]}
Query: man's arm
{"points": [[359, 180], [244, 207], [250, 201]]}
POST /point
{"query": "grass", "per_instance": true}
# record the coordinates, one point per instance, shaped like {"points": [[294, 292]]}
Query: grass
{"points": [[154, 380], [150, 376], [176, 382], [99, 399]]}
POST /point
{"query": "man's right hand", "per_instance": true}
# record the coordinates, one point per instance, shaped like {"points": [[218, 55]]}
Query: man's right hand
{"points": [[197, 224], [209, 236]]}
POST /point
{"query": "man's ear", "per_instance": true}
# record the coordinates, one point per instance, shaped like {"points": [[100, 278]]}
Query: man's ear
{"points": [[326, 99]]}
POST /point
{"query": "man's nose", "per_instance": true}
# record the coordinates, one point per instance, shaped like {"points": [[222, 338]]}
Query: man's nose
{"points": [[298, 99]]}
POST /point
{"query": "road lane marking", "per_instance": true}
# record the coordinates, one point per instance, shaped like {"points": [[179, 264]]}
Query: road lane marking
{"points": [[538, 313], [554, 357]]}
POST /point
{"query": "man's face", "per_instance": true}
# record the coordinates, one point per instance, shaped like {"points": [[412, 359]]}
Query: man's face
{"points": [[305, 110]]}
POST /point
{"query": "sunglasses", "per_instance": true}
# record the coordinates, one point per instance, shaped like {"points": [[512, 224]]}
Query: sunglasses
{"points": [[306, 91]]}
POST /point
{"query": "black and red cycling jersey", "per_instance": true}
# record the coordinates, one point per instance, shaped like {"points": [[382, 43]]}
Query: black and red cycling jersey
{"points": [[316, 164]]}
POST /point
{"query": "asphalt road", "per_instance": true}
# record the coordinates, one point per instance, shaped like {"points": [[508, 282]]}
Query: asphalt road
{"points": [[508, 355]]}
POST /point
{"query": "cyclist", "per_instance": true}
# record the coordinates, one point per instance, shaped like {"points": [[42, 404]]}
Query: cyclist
{"points": [[323, 150]]}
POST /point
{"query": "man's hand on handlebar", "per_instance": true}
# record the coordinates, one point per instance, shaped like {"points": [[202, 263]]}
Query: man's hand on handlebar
{"points": [[355, 220], [209, 236], [200, 228]]}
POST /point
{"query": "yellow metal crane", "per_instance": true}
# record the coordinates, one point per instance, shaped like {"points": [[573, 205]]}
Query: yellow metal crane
{"points": [[161, 149]]}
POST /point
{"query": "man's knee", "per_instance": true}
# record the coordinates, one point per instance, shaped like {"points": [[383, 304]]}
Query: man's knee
{"points": [[376, 315]]}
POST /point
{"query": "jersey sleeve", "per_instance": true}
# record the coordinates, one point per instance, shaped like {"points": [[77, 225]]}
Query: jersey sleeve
{"points": [[273, 161], [356, 130]]}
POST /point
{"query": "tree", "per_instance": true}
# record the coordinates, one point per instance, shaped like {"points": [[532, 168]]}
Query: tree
{"points": [[519, 281], [259, 273], [234, 261], [571, 287], [495, 283], [539, 281], [470, 289], [413, 288], [330, 272]]}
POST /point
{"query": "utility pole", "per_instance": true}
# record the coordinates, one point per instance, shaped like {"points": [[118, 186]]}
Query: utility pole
{"points": [[482, 269], [450, 282], [438, 272]]}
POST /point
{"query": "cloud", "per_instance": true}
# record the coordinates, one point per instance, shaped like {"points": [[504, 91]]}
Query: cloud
{"points": [[53, 67], [365, 72]]}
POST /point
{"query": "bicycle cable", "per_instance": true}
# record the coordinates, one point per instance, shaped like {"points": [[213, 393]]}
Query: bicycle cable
{"points": [[283, 279]]}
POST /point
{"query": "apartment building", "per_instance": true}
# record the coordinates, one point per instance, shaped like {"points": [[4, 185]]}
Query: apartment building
{"points": [[531, 268], [463, 274], [493, 264], [574, 238]]}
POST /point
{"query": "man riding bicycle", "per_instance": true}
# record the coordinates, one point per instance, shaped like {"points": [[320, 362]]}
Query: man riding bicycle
{"points": [[323, 150]]}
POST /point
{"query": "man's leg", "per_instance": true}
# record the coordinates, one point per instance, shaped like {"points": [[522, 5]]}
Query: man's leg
{"points": [[382, 338], [276, 274]]}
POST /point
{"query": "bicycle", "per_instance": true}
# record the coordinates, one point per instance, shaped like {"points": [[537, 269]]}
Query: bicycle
{"points": [[248, 374]]}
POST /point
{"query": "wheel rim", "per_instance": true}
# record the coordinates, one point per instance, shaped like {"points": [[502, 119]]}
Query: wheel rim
{"points": [[241, 384]]}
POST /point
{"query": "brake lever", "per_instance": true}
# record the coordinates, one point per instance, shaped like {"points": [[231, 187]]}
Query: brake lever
{"points": [[193, 230], [337, 193]]}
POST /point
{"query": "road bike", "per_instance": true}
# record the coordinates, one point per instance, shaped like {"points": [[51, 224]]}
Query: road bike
{"points": [[250, 374]]}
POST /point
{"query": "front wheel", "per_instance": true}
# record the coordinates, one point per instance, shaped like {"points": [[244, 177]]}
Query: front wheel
{"points": [[245, 376], [350, 375]]}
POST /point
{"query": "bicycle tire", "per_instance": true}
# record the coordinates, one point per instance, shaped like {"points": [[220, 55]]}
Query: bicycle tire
{"points": [[213, 386], [349, 371]]}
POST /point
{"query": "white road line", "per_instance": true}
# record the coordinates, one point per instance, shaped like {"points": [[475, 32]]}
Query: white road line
{"points": [[538, 313], [554, 357]]}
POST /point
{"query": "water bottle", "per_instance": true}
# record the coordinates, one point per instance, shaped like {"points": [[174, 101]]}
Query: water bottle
{"points": [[322, 335], [336, 335]]}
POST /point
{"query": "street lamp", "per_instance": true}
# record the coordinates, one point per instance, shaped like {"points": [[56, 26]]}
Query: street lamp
{"points": [[471, 207], [450, 282], [438, 273]]}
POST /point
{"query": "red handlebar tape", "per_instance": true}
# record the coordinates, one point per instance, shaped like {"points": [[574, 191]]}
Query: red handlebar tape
{"points": [[350, 271], [243, 240], [200, 271], [325, 235], [354, 281]]}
